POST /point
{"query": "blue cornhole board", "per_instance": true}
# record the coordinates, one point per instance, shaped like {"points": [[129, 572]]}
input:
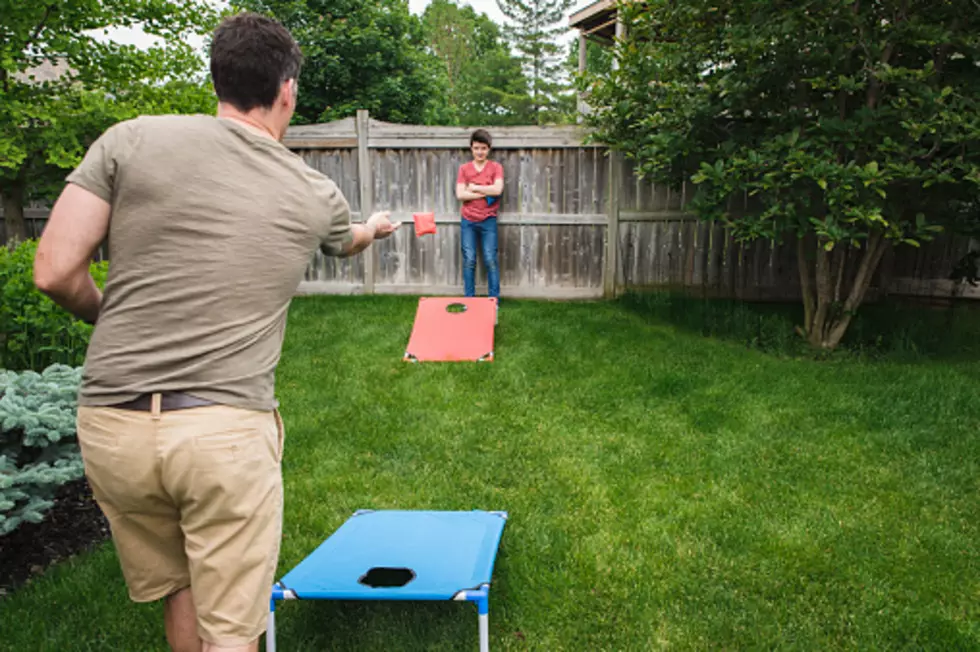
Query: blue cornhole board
{"points": [[400, 555]]}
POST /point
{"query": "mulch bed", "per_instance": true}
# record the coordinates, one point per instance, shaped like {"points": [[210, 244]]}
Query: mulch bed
{"points": [[74, 524]]}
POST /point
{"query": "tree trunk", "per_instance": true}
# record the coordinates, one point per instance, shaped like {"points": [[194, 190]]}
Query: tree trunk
{"points": [[806, 285], [826, 318], [13, 211], [824, 288]]}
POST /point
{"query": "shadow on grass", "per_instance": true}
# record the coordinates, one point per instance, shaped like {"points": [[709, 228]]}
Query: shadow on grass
{"points": [[377, 625], [890, 329]]}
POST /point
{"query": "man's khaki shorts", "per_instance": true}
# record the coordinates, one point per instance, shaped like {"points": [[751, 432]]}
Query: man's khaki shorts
{"points": [[194, 499]]}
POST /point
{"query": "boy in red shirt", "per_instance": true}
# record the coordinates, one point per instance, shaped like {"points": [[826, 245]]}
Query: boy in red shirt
{"points": [[479, 184]]}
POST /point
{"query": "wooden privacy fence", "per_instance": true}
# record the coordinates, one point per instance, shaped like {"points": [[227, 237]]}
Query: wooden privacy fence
{"points": [[575, 222]]}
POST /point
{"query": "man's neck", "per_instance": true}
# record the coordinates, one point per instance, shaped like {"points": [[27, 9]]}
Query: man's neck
{"points": [[252, 120], [479, 165]]}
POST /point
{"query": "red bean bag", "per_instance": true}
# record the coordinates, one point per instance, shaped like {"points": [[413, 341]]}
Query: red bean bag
{"points": [[425, 223]]}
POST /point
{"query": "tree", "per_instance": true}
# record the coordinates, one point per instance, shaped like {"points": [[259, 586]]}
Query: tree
{"points": [[495, 91], [852, 126], [534, 25], [449, 35], [360, 55], [486, 84], [61, 86]]}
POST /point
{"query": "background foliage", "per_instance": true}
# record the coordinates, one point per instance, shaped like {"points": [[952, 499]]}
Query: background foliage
{"points": [[850, 126], [38, 449], [36, 333], [62, 85]]}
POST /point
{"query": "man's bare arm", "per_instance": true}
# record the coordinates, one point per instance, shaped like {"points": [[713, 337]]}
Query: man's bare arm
{"points": [[492, 190], [464, 194], [377, 227], [78, 223]]}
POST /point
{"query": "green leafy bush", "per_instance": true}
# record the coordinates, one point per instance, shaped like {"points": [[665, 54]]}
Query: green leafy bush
{"points": [[845, 128], [36, 333], [38, 446]]}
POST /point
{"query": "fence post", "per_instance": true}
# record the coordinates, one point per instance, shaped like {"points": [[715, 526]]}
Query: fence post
{"points": [[366, 187], [582, 48], [615, 182], [612, 226]]}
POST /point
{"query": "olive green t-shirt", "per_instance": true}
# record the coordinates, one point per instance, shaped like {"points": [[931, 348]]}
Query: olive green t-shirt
{"points": [[211, 231]]}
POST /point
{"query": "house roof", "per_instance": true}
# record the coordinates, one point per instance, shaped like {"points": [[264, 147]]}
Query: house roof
{"points": [[596, 21], [46, 71]]}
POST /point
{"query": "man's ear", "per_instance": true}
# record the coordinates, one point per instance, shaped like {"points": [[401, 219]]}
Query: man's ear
{"points": [[288, 92]]}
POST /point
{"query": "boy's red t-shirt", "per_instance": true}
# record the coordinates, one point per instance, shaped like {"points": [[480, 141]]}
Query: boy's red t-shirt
{"points": [[476, 210]]}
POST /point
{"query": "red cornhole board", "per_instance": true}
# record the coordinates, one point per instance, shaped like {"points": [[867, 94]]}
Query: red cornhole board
{"points": [[462, 333]]}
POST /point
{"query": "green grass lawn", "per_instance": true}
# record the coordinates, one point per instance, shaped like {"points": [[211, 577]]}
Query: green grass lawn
{"points": [[665, 491]]}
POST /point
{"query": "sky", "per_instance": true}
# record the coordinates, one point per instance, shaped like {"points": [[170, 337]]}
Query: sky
{"points": [[488, 7], [135, 36]]}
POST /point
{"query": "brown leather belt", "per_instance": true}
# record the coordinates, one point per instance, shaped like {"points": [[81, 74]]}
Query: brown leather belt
{"points": [[168, 401]]}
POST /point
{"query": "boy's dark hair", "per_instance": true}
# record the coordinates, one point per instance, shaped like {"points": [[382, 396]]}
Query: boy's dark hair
{"points": [[251, 56], [481, 136]]}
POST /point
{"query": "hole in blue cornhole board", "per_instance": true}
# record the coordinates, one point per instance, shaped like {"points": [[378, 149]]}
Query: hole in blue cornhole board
{"points": [[383, 577]]}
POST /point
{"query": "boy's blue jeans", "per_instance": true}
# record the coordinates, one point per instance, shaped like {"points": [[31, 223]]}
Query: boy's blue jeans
{"points": [[487, 232]]}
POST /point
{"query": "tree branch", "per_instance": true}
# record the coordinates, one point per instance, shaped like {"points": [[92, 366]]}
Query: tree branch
{"points": [[932, 152], [4, 75], [824, 289], [40, 26], [869, 264], [874, 89], [841, 260], [806, 286], [904, 15], [942, 52]]}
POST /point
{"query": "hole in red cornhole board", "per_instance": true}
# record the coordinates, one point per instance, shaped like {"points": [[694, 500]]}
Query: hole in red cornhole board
{"points": [[425, 223], [452, 329]]}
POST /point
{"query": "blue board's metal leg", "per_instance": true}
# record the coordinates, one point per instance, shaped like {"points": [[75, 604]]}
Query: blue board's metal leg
{"points": [[481, 597], [484, 616], [278, 593], [270, 630]]}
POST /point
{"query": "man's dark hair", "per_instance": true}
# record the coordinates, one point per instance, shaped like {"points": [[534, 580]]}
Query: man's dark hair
{"points": [[251, 56], [481, 136]]}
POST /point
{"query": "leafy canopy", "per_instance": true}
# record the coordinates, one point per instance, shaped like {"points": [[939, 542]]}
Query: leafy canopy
{"points": [[534, 27], [485, 82], [62, 83], [360, 55], [853, 125]]}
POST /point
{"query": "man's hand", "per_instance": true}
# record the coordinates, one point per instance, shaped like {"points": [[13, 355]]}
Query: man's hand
{"points": [[377, 227], [381, 224]]}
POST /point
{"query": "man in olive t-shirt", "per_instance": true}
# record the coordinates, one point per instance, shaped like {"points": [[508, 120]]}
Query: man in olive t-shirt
{"points": [[211, 223], [212, 229]]}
